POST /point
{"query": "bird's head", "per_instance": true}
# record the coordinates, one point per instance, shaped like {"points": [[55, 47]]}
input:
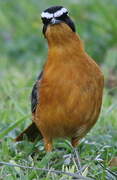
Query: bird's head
{"points": [[56, 23]]}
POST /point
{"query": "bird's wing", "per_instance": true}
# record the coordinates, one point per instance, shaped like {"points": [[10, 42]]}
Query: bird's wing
{"points": [[34, 94], [32, 132]]}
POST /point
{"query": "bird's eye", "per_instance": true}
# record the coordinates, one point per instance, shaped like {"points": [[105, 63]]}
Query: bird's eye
{"points": [[45, 20]]}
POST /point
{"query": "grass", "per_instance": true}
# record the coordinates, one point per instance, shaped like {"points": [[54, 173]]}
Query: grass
{"points": [[22, 51]]}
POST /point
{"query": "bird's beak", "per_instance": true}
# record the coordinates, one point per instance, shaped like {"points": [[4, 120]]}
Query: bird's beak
{"points": [[55, 21]]}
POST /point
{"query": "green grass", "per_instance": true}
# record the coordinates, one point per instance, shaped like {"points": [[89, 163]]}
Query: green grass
{"points": [[22, 53]]}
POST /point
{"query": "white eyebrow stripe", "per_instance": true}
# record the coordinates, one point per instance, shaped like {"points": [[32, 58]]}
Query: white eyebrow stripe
{"points": [[60, 12], [56, 14], [46, 15]]}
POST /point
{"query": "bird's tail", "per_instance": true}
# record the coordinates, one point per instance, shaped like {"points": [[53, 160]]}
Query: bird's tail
{"points": [[32, 132]]}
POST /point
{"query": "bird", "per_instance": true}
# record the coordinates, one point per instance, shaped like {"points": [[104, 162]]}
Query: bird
{"points": [[67, 96]]}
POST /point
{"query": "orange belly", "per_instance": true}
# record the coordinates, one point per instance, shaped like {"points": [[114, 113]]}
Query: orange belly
{"points": [[68, 108]]}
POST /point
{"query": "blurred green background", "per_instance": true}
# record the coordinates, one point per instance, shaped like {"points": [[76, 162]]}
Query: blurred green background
{"points": [[21, 27], [23, 51]]}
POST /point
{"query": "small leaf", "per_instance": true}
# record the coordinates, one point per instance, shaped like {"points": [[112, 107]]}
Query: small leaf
{"points": [[85, 172]]}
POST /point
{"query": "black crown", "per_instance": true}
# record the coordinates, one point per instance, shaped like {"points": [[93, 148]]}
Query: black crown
{"points": [[53, 9]]}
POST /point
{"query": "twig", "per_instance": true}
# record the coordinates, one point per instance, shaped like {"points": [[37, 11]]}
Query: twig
{"points": [[113, 173], [47, 170]]}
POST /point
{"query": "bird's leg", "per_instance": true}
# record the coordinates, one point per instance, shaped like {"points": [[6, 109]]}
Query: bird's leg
{"points": [[48, 144], [74, 143]]}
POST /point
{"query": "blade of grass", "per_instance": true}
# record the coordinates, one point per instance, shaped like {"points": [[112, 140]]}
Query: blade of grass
{"points": [[12, 126], [111, 108]]}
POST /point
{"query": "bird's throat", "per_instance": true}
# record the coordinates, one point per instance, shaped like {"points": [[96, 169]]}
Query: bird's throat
{"points": [[61, 35]]}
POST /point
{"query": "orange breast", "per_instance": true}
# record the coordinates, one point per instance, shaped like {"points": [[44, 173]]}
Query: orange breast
{"points": [[70, 98]]}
